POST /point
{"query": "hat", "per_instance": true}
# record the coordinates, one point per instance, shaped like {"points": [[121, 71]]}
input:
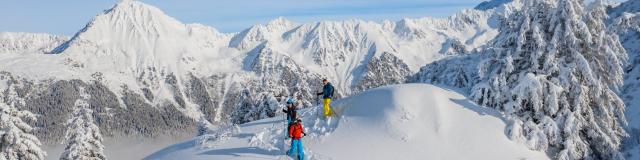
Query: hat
{"points": [[291, 101]]}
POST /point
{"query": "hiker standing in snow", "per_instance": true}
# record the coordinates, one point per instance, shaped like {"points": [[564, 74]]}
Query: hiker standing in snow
{"points": [[292, 114], [327, 94], [296, 132]]}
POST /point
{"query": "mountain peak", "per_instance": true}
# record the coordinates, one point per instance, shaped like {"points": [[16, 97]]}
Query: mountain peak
{"points": [[136, 11], [280, 22], [259, 33], [125, 22], [137, 35], [130, 5]]}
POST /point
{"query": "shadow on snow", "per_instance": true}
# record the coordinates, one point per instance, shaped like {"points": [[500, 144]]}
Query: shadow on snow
{"points": [[242, 151]]}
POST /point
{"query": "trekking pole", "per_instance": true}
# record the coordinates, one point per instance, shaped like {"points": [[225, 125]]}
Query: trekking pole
{"points": [[318, 103], [286, 133]]}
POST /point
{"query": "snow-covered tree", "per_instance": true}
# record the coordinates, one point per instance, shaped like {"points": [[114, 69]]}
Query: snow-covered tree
{"points": [[554, 71], [268, 107], [12, 98], [84, 141], [204, 127], [243, 112], [217, 134], [16, 138]]}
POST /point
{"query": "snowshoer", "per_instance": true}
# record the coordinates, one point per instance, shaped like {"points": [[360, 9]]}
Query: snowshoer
{"points": [[296, 132], [327, 94]]}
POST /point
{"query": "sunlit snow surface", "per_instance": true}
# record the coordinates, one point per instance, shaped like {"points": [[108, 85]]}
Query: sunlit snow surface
{"points": [[410, 121]]}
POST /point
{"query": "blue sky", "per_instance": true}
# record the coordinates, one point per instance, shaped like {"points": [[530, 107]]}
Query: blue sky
{"points": [[65, 17], [68, 16]]}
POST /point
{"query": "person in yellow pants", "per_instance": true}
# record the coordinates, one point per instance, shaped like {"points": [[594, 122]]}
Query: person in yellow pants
{"points": [[327, 94], [327, 108]]}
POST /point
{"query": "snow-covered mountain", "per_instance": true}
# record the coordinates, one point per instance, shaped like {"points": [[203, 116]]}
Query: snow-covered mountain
{"points": [[340, 50], [412, 121], [152, 75], [37, 43]]}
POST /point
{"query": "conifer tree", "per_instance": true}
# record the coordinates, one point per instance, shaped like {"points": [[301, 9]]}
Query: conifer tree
{"points": [[16, 136], [554, 71], [84, 141]]}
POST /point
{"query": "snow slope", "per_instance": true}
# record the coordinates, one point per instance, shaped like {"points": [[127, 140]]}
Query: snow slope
{"points": [[409, 121]]}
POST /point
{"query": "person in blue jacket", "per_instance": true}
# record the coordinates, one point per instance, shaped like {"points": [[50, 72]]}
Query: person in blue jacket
{"points": [[327, 94]]}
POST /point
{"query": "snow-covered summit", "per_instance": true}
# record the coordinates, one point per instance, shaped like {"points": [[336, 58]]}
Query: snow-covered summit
{"points": [[260, 33], [411, 121], [135, 30], [137, 44], [129, 19]]}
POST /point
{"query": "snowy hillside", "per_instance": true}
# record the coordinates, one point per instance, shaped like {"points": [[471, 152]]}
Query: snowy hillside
{"points": [[410, 121]]}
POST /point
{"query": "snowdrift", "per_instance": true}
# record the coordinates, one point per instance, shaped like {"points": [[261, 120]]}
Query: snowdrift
{"points": [[410, 121]]}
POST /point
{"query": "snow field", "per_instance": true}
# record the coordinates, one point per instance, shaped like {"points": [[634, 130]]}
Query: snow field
{"points": [[410, 121]]}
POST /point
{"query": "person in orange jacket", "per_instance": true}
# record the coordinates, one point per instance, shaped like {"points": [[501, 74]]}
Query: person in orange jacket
{"points": [[296, 132]]}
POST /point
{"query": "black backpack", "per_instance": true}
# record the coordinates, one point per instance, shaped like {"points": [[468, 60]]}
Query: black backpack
{"points": [[294, 114]]}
